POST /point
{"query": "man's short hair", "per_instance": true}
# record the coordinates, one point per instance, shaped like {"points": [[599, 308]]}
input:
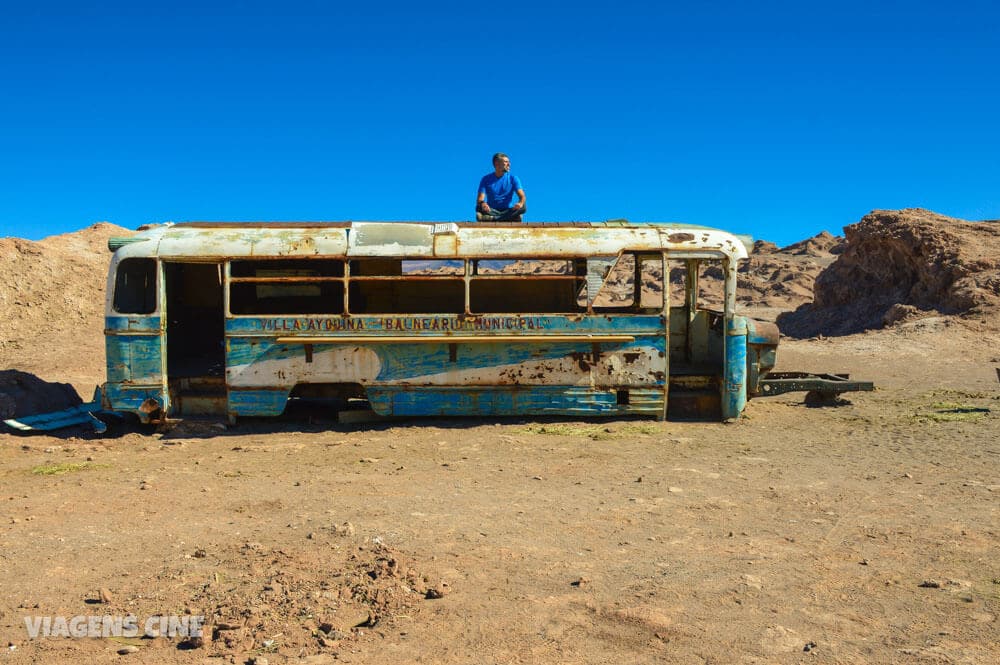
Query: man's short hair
{"points": [[497, 157]]}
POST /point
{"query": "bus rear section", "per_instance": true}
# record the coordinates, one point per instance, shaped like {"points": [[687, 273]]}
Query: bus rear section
{"points": [[134, 340], [164, 338]]}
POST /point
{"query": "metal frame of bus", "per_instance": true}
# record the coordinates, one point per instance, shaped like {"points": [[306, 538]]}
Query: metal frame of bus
{"points": [[139, 380]]}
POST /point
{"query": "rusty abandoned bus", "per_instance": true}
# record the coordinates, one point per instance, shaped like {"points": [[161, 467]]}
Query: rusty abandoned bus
{"points": [[430, 319]]}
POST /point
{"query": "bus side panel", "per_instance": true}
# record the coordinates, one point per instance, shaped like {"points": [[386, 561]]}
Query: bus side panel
{"points": [[262, 362], [265, 402], [522, 378], [425, 377], [134, 347], [512, 401], [638, 363]]}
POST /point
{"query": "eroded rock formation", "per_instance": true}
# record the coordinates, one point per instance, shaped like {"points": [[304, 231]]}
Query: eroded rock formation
{"points": [[910, 257]]}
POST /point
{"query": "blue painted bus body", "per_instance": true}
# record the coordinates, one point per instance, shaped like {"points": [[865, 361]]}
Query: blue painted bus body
{"points": [[134, 348], [615, 358], [529, 376]]}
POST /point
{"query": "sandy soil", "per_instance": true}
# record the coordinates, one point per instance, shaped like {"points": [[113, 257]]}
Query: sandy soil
{"points": [[865, 533]]}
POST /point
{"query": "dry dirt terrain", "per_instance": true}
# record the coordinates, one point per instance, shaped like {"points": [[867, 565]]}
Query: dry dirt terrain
{"points": [[863, 533]]}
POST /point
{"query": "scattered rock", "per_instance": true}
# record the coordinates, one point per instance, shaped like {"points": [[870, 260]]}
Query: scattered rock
{"points": [[200, 553], [439, 591], [191, 643], [394, 566], [104, 595], [126, 650], [580, 582], [353, 616], [345, 529], [930, 584], [364, 586], [650, 617], [897, 313]]}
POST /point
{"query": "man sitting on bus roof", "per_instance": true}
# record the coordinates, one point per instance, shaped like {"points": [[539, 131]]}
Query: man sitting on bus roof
{"points": [[496, 191]]}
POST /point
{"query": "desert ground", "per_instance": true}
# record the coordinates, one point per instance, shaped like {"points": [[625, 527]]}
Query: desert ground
{"points": [[867, 532]]}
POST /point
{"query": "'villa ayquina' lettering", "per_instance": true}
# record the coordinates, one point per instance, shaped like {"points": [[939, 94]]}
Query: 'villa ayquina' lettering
{"points": [[312, 325]]}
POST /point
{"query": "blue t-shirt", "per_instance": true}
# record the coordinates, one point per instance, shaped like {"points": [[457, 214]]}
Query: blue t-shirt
{"points": [[499, 191]]}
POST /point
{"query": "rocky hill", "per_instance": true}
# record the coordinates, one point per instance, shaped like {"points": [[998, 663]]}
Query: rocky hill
{"points": [[900, 264], [783, 278], [52, 300]]}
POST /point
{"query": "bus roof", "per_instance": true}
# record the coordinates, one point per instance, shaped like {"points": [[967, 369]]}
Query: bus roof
{"points": [[203, 240]]}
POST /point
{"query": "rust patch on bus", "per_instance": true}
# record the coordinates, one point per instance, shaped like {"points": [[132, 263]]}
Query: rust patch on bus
{"points": [[581, 360]]}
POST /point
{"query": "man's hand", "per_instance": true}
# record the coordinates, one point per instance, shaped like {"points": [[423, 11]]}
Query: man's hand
{"points": [[484, 207], [518, 205]]}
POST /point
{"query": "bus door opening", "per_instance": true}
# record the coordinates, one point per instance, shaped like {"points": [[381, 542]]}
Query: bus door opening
{"points": [[196, 361], [697, 338]]}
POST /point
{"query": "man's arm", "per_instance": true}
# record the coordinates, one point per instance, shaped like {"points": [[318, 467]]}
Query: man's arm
{"points": [[521, 199], [481, 196]]}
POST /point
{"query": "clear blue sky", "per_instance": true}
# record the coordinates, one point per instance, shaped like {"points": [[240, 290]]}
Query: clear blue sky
{"points": [[778, 119]]}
